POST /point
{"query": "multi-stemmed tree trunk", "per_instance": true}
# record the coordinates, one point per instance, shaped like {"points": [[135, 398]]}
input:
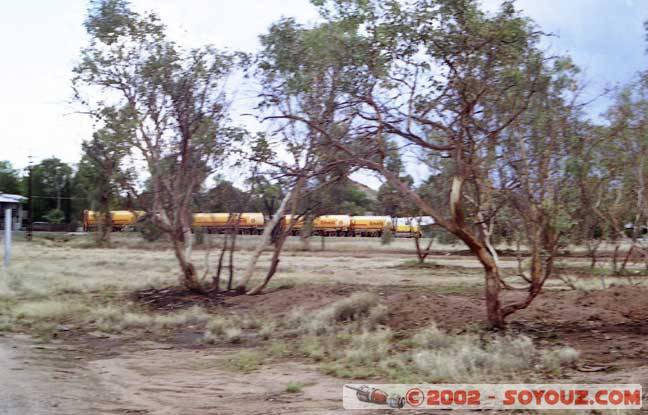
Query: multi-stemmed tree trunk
{"points": [[422, 253], [171, 106], [265, 241]]}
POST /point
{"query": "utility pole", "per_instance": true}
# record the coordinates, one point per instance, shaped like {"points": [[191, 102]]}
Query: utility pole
{"points": [[30, 203]]}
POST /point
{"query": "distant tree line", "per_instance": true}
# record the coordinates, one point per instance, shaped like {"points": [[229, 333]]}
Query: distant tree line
{"points": [[62, 191]]}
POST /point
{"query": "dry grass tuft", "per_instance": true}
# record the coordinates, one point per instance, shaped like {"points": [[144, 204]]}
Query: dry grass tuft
{"points": [[467, 358], [554, 360], [49, 310], [233, 335], [369, 348], [359, 307], [245, 361], [294, 387], [190, 316], [113, 319]]}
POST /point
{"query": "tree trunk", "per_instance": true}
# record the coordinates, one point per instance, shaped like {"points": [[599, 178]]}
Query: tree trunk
{"points": [[493, 305], [492, 279], [274, 263], [421, 253], [188, 276], [306, 232], [219, 267], [230, 278], [626, 259], [615, 259], [263, 242], [492, 287]]}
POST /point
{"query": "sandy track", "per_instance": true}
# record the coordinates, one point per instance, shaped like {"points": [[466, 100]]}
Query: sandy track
{"points": [[154, 379], [45, 380], [190, 381]]}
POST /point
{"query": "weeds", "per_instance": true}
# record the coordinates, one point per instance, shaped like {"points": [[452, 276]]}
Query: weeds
{"points": [[357, 308], [233, 335], [112, 319], [244, 361], [193, 315], [467, 357], [294, 387], [553, 360]]}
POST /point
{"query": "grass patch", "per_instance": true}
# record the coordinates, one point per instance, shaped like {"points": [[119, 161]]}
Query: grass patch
{"points": [[361, 308], [117, 319], [244, 361], [432, 356], [554, 360], [294, 387], [49, 310]]}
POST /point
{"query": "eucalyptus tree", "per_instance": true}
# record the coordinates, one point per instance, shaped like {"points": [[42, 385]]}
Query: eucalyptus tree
{"points": [[449, 81], [301, 75], [101, 173], [173, 104], [625, 151]]}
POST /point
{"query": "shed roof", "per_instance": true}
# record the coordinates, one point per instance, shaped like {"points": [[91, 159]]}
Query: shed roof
{"points": [[9, 198]]}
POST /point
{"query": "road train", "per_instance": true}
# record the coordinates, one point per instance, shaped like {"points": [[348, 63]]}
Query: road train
{"points": [[252, 223]]}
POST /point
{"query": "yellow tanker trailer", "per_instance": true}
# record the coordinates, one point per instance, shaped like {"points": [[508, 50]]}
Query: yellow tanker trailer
{"points": [[251, 222], [296, 227], [407, 230], [328, 225], [370, 225], [120, 219], [333, 225]]}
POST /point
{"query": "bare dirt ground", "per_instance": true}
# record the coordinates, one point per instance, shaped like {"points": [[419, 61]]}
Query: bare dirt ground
{"points": [[79, 371]]}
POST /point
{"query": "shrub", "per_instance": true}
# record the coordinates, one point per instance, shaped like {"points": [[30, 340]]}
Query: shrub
{"points": [[431, 338], [233, 335], [467, 358], [553, 360], [294, 387], [387, 237], [149, 231], [55, 216], [369, 348], [244, 361], [353, 308]]}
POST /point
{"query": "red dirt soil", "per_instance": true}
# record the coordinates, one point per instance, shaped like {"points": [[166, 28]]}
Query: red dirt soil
{"points": [[608, 326]]}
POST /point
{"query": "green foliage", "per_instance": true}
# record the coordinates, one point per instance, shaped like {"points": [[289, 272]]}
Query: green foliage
{"points": [[9, 178], [149, 230], [223, 197], [294, 387], [392, 202], [51, 186], [387, 237], [244, 361], [55, 216]]}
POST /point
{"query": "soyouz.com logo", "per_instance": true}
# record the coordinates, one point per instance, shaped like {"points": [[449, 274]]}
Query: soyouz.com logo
{"points": [[492, 396]]}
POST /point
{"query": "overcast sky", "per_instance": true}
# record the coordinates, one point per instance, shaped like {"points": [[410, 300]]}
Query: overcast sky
{"points": [[40, 43]]}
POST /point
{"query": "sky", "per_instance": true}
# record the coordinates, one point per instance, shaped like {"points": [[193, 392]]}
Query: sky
{"points": [[40, 42]]}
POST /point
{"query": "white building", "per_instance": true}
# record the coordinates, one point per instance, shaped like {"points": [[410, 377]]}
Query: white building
{"points": [[12, 202]]}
